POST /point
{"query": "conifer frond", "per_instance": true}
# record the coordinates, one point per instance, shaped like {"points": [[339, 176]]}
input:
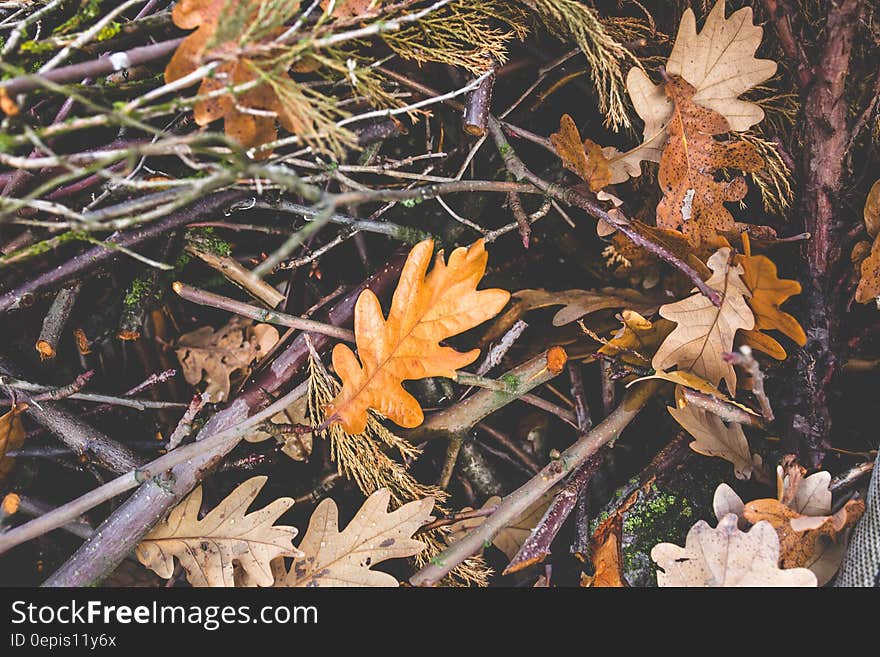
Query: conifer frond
{"points": [[463, 33], [473, 571], [573, 20], [774, 180]]}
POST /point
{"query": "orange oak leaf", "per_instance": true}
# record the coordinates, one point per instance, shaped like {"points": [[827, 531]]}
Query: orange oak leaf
{"points": [[425, 309], [585, 159], [249, 117], [693, 200], [768, 293]]}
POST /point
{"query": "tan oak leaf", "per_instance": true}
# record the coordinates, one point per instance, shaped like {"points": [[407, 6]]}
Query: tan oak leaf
{"points": [[345, 558], [703, 332], [714, 438], [209, 548], [726, 557]]}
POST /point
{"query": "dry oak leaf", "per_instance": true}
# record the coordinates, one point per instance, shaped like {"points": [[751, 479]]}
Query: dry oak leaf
{"points": [[208, 548], [714, 438], [583, 158], [768, 293], [869, 282], [334, 558], [425, 310], [249, 117], [11, 436], [579, 303], [809, 496], [213, 356], [720, 63], [638, 339], [726, 557], [692, 381], [693, 200], [814, 542], [872, 210], [703, 332]]}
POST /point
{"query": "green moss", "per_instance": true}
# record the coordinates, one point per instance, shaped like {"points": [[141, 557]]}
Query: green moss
{"points": [[511, 381], [88, 10], [410, 202], [109, 31], [409, 235], [36, 47], [206, 239], [139, 288]]}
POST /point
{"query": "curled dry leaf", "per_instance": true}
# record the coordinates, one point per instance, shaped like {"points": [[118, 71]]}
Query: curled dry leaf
{"points": [[719, 62], [703, 333], [726, 557], [11, 436], [814, 542], [692, 381], [693, 200], [579, 303], [208, 548], [637, 341], [714, 438], [213, 356], [726, 501], [425, 309], [334, 558], [583, 158]]}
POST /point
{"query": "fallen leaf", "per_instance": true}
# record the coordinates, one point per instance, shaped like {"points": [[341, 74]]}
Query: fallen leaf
{"points": [[694, 382], [814, 542], [213, 356], [809, 496], [768, 293], [714, 438], [693, 200], [872, 210], [11, 436], [726, 557], [334, 558], [579, 303], [510, 539], [425, 310], [249, 117], [703, 333], [607, 560], [719, 62], [726, 501], [583, 158], [638, 339], [207, 548]]}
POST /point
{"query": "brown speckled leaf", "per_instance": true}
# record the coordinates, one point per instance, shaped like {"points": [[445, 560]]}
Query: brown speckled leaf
{"points": [[693, 200], [346, 558], [208, 548], [719, 61]]}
